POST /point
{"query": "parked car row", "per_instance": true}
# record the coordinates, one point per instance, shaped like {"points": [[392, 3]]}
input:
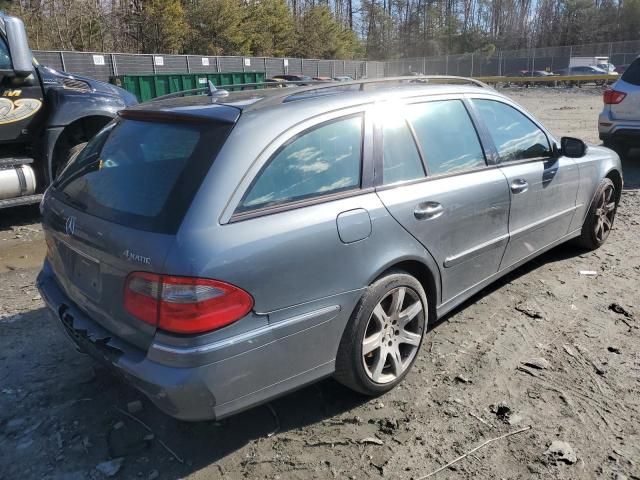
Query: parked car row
{"points": [[302, 79], [577, 70]]}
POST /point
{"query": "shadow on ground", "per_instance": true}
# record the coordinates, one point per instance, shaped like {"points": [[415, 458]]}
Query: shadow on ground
{"points": [[71, 398], [75, 399], [19, 216]]}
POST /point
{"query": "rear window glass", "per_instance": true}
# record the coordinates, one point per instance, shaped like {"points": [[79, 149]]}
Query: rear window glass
{"points": [[632, 73], [141, 174]]}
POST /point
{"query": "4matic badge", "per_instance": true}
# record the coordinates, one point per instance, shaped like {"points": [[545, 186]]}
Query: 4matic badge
{"points": [[135, 257]]}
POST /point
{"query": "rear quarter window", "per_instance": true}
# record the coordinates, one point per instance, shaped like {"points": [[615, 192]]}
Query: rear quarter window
{"points": [[632, 73], [323, 160]]}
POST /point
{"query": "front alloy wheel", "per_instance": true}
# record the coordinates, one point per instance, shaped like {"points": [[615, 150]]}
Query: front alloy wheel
{"points": [[605, 212], [599, 220]]}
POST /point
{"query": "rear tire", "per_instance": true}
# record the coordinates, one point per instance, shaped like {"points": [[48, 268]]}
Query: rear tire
{"points": [[383, 336], [67, 157], [599, 221]]}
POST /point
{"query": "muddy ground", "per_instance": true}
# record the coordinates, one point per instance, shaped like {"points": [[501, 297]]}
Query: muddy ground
{"points": [[61, 416]]}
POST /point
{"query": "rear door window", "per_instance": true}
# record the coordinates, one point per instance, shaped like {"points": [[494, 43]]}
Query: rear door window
{"points": [[447, 136], [401, 160], [515, 136], [632, 73], [321, 161], [142, 174]]}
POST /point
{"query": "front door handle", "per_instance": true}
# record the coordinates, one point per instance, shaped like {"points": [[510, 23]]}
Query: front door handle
{"points": [[427, 210], [519, 186]]}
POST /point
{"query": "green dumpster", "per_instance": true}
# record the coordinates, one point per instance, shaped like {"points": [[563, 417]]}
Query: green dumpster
{"points": [[148, 87]]}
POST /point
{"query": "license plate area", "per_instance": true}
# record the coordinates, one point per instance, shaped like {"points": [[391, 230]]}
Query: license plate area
{"points": [[82, 270]]}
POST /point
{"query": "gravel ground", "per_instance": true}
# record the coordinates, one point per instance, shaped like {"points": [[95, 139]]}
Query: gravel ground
{"points": [[545, 347]]}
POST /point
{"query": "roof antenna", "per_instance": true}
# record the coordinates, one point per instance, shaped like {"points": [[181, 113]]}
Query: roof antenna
{"points": [[215, 93]]}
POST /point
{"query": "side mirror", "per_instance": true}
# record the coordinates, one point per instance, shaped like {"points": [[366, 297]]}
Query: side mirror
{"points": [[572, 147], [21, 56]]}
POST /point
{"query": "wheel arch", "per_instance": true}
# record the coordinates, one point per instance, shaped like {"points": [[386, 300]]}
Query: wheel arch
{"points": [[616, 177], [424, 273]]}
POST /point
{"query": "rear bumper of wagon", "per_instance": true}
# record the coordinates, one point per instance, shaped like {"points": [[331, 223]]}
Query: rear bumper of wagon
{"points": [[176, 391], [244, 371]]}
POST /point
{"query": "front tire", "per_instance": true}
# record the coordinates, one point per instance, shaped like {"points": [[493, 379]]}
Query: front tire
{"points": [[383, 336], [599, 221]]}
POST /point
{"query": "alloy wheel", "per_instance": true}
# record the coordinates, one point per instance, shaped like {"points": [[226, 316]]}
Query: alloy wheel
{"points": [[605, 213], [393, 335]]}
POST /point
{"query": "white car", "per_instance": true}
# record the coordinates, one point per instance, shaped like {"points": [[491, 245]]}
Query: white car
{"points": [[619, 121], [610, 68]]}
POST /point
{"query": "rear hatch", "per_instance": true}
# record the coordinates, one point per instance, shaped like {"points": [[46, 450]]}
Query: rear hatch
{"points": [[629, 83], [116, 208]]}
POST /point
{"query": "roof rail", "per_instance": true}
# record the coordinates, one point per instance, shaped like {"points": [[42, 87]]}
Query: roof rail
{"points": [[422, 79], [206, 90], [362, 84], [313, 85]]}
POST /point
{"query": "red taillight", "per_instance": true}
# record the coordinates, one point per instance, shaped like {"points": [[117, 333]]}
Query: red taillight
{"points": [[613, 97], [184, 304], [141, 294]]}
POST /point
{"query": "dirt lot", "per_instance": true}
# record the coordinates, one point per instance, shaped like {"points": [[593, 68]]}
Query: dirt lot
{"points": [[61, 416]]}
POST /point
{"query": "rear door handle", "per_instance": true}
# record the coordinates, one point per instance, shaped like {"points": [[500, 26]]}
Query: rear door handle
{"points": [[519, 186], [427, 210]]}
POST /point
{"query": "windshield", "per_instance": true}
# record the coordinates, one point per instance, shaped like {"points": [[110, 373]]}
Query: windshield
{"points": [[5, 56], [141, 174]]}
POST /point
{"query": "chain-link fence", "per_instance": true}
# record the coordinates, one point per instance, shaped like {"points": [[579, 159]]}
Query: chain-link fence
{"points": [[512, 62], [505, 62], [103, 65]]}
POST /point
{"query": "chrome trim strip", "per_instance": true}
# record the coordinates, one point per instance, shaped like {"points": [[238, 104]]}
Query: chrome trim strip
{"points": [[76, 251], [475, 251], [541, 223], [247, 336]]}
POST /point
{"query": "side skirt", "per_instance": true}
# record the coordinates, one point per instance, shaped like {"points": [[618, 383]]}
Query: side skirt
{"points": [[446, 307]]}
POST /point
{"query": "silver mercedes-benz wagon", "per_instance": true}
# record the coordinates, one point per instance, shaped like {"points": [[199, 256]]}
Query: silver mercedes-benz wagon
{"points": [[220, 251]]}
